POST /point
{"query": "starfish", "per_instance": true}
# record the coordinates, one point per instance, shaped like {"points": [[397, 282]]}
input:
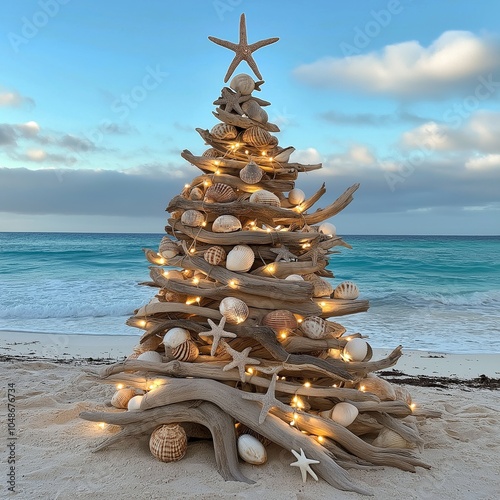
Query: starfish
{"points": [[283, 254], [268, 399], [240, 359], [314, 254], [243, 51], [217, 332], [304, 463], [232, 100]]}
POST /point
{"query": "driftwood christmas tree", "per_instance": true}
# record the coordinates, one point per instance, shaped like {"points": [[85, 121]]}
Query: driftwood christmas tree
{"points": [[238, 337]]}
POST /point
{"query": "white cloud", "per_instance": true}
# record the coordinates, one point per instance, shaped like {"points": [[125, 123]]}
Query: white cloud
{"points": [[36, 154], [307, 156], [14, 99], [486, 162]]}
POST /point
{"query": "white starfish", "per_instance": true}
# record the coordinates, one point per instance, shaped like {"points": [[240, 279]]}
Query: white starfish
{"points": [[283, 254], [304, 463], [217, 332], [240, 359]]}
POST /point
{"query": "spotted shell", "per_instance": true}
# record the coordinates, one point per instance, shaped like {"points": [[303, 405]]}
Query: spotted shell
{"points": [[388, 438], [346, 290], [168, 248], [192, 218], [243, 84], [215, 255], [257, 137], [226, 224], [357, 350], [234, 310], [378, 386], [240, 258], [196, 194], [294, 277], [253, 110], [264, 197], [296, 196], [121, 398], [344, 413], [279, 320], [168, 443], [223, 131], [175, 337], [150, 356], [251, 173], [315, 327], [251, 450], [187, 351], [322, 288], [328, 229], [211, 153], [134, 403], [220, 193]]}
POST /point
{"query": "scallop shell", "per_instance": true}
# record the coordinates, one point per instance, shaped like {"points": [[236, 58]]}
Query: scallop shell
{"points": [[196, 194], [134, 403], [215, 255], [315, 327], [240, 258], [150, 356], [378, 386], [223, 131], [344, 414], [187, 351], [403, 394], [234, 310], [211, 153], [243, 84], [121, 398], [251, 173], [192, 218], [388, 438], [294, 277], [296, 196], [357, 350], [168, 248], [253, 110], [279, 320], [175, 337], [226, 224], [322, 288], [346, 290], [284, 154], [220, 193], [168, 443], [328, 229], [264, 197], [251, 450], [257, 137]]}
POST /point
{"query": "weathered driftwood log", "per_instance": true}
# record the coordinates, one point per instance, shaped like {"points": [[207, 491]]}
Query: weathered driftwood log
{"points": [[340, 307], [243, 121]]}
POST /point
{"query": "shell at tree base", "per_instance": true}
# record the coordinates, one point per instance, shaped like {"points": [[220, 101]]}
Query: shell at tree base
{"points": [[168, 443], [220, 193], [192, 218], [168, 248], [211, 153], [378, 386], [121, 398], [215, 255], [234, 310], [344, 414], [346, 290], [150, 357], [240, 258], [223, 131], [187, 351], [264, 197], [357, 350], [296, 196], [242, 83], [280, 320], [315, 327], [226, 224], [196, 194], [257, 137], [251, 173], [251, 450], [327, 229], [243, 429], [175, 337], [388, 438]]}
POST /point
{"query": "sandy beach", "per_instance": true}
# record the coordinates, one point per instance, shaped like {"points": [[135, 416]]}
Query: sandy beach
{"points": [[53, 446]]}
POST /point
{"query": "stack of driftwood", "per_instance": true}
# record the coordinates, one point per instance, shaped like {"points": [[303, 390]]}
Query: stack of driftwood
{"points": [[238, 337]]}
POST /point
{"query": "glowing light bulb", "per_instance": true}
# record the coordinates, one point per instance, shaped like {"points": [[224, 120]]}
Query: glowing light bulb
{"points": [[321, 439], [283, 335], [192, 250], [292, 423], [307, 384], [362, 388], [187, 186], [196, 281], [119, 386], [232, 283], [217, 172], [413, 406], [264, 153], [322, 304], [250, 371], [246, 151], [206, 183], [165, 273], [152, 386], [141, 323], [102, 425], [203, 224]]}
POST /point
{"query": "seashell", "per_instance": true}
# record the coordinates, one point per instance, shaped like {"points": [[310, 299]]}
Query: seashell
{"points": [[257, 137], [168, 248], [215, 255], [295, 277], [346, 290], [328, 229], [253, 110], [240, 258], [223, 131], [280, 320], [251, 173], [378, 386], [234, 310], [211, 153], [243, 84], [220, 193], [344, 414], [187, 351], [192, 218], [356, 350], [403, 394], [251, 450], [296, 196], [169, 296], [175, 337], [264, 197], [243, 429], [121, 398], [273, 141], [173, 274], [388, 438], [284, 155], [168, 443], [226, 224], [134, 403], [196, 194], [322, 288], [150, 356], [315, 327]]}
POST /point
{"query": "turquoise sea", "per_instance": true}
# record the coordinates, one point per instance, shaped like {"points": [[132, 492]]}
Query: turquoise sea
{"points": [[439, 293]]}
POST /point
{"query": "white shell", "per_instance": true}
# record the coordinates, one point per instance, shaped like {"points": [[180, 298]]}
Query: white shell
{"points": [[251, 173], [315, 327], [328, 229], [220, 193], [388, 438], [196, 194], [257, 137], [264, 197], [187, 351], [346, 290], [226, 224], [243, 84], [240, 258], [234, 310], [150, 356], [253, 110], [295, 277], [168, 443], [192, 218], [296, 196], [284, 155], [135, 403], [378, 386], [344, 414], [251, 450], [168, 248], [121, 398], [215, 255], [356, 350], [175, 337], [223, 131]]}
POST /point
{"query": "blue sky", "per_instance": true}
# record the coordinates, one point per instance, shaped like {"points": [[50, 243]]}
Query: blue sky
{"points": [[97, 99]]}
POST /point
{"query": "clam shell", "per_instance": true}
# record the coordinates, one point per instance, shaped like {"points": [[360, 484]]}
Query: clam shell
{"points": [[294, 277], [175, 337], [240, 258], [251, 450], [243, 429], [220, 193], [243, 84], [284, 154], [322, 288], [150, 356], [315, 327], [226, 224], [211, 153], [346, 290], [253, 110], [192, 218], [257, 137], [234, 310], [215, 255], [403, 394], [223, 131], [251, 173], [168, 248], [296, 196], [356, 350], [264, 197], [388, 438], [121, 398], [328, 229], [134, 403], [196, 194], [168, 443], [280, 320], [187, 351], [344, 414], [378, 386]]}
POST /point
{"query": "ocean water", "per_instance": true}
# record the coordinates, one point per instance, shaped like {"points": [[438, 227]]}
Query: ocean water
{"points": [[439, 293]]}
